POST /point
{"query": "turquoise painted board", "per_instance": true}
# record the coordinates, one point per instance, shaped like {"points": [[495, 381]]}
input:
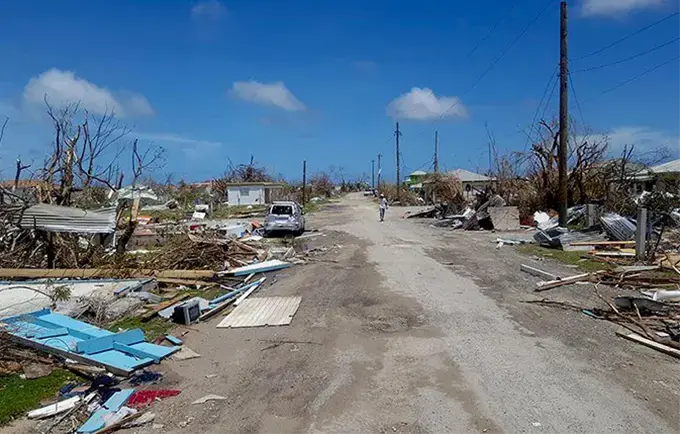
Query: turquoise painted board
{"points": [[44, 329], [112, 405], [103, 343]]}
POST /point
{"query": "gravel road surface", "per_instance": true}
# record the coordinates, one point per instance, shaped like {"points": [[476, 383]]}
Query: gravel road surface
{"points": [[406, 328]]}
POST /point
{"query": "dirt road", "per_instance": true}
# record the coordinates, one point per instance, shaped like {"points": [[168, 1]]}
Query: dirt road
{"points": [[408, 328], [405, 343]]}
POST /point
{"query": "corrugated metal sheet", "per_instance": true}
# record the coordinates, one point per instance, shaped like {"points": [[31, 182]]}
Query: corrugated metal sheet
{"points": [[619, 228], [262, 311], [53, 218]]}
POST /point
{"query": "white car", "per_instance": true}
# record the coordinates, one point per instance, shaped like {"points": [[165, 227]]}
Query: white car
{"points": [[285, 217]]}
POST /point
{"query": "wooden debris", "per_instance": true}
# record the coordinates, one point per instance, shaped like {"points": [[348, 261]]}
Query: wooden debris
{"points": [[538, 272], [542, 286], [85, 273], [147, 316], [631, 336], [602, 243], [188, 282], [614, 253]]}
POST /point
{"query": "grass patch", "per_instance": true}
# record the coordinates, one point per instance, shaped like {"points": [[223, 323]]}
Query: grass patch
{"points": [[569, 258], [311, 207], [18, 396], [152, 329]]}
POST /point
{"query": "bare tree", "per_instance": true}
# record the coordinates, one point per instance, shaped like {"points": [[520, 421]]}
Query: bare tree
{"points": [[20, 168], [2, 129]]}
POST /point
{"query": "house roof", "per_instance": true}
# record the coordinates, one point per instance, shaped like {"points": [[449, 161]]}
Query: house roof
{"points": [[669, 167], [254, 184], [418, 173], [467, 176]]}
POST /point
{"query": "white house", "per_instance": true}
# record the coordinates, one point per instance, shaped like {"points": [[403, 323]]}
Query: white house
{"points": [[472, 182], [253, 193]]}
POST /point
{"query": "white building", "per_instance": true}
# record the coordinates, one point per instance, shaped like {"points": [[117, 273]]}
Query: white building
{"points": [[253, 193], [472, 182]]}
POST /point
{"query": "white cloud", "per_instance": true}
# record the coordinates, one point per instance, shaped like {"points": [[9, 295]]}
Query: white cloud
{"points": [[616, 7], [212, 9], [276, 94], [63, 87], [643, 138], [175, 138], [423, 104]]}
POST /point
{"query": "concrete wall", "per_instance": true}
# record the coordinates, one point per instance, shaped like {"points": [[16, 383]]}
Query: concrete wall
{"points": [[246, 195]]}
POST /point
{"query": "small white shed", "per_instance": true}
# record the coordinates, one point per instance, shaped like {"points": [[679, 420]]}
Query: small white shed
{"points": [[253, 193]]}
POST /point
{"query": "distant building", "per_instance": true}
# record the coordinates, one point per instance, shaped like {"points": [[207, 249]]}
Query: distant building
{"points": [[662, 177], [472, 182], [253, 193]]}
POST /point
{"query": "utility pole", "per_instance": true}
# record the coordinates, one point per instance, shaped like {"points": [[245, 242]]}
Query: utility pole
{"points": [[379, 169], [373, 174], [304, 182], [397, 134], [564, 117], [436, 152]]}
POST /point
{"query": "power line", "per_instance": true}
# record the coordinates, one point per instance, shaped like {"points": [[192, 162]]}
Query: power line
{"points": [[637, 32], [540, 104], [578, 104], [633, 78], [494, 62], [488, 35], [547, 101], [509, 47], [635, 56]]}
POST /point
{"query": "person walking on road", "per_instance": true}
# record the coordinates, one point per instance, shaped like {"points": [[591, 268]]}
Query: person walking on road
{"points": [[383, 207]]}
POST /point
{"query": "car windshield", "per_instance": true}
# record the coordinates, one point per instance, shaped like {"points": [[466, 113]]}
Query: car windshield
{"points": [[282, 210]]}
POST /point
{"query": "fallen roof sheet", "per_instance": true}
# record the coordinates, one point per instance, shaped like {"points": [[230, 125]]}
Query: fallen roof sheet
{"points": [[120, 353], [259, 267], [262, 311], [53, 218]]}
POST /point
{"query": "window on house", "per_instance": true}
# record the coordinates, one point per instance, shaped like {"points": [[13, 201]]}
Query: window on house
{"points": [[244, 192]]}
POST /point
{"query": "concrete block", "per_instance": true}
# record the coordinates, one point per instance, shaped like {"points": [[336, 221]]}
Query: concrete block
{"points": [[504, 218]]}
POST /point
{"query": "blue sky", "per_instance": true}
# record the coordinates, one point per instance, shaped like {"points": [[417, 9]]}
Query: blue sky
{"points": [[325, 81]]}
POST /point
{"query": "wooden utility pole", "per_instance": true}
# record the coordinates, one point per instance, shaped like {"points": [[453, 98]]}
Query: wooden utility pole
{"points": [[436, 152], [397, 134], [373, 174], [304, 182], [564, 117], [379, 169]]}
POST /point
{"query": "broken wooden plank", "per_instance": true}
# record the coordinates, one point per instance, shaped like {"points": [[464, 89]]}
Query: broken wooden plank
{"points": [[54, 409], [626, 334], [602, 243], [217, 309], [616, 254], [190, 282], [542, 286], [635, 268], [77, 273], [159, 307], [538, 272]]}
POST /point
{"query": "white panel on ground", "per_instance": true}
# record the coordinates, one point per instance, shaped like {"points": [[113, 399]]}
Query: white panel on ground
{"points": [[262, 311]]}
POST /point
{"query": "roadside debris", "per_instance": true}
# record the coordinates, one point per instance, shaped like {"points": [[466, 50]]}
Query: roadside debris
{"points": [[209, 398]]}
